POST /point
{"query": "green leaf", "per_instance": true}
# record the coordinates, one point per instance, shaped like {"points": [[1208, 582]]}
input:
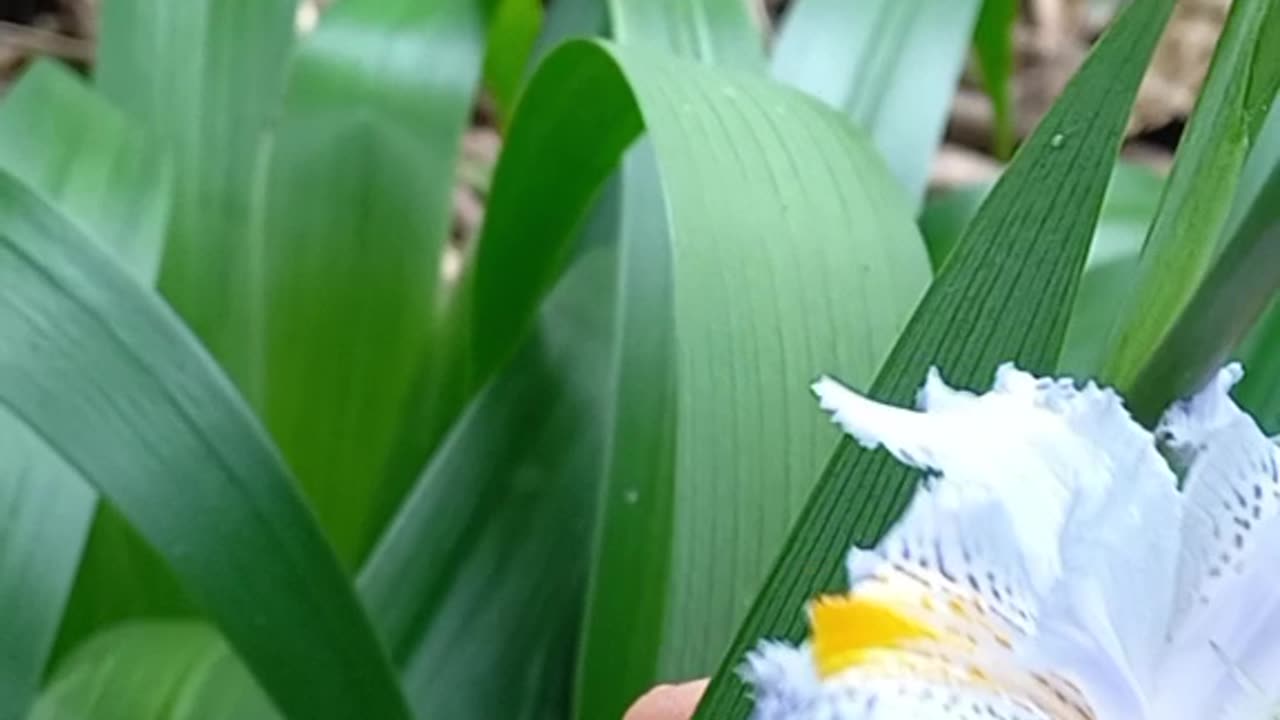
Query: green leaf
{"points": [[1186, 235], [113, 383], [203, 78], [154, 670], [1235, 293], [1258, 205], [993, 44], [81, 155], [567, 19], [358, 209], [78, 154], [512, 35], [477, 587], [890, 65], [1132, 196], [1004, 295], [801, 240], [45, 511], [708, 30]]}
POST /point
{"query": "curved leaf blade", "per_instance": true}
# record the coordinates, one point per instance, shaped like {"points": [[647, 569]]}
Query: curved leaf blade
{"points": [[1004, 295], [727, 216], [97, 368], [78, 154]]}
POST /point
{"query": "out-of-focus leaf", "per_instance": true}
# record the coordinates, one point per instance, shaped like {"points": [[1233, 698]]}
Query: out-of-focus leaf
{"points": [[153, 670], [113, 383], [764, 262], [1187, 233], [203, 78], [512, 34], [1257, 205], [75, 151], [359, 204], [707, 30], [993, 44], [1004, 295], [45, 511], [478, 592], [1231, 299], [890, 65], [636, 496], [567, 19], [1127, 209]]}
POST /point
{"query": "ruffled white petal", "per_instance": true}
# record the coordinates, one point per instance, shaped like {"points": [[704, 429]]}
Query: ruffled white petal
{"points": [[1051, 550], [1225, 637]]}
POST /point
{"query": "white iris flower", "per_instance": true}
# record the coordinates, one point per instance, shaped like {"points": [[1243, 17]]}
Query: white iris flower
{"points": [[1054, 565]]}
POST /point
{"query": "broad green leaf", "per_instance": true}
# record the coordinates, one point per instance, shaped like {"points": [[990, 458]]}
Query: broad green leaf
{"points": [[638, 482], [993, 45], [358, 208], [1127, 209], [477, 586], [203, 78], [512, 35], [75, 151], [113, 383], [890, 65], [153, 670], [1004, 295], [45, 511], [1186, 235], [762, 262]]}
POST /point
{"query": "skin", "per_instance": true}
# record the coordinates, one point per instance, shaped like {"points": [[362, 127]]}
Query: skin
{"points": [[668, 702]]}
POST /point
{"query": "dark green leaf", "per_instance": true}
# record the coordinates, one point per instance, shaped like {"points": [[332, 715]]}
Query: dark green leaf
{"points": [[113, 383], [1004, 295], [993, 44], [1127, 209], [1187, 233], [890, 65]]}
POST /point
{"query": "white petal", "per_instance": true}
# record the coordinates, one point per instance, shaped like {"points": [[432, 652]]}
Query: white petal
{"points": [[1080, 484], [1223, 639]]}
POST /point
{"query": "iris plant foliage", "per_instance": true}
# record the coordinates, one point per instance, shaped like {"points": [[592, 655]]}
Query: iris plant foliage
{"points": [[271, 448]]}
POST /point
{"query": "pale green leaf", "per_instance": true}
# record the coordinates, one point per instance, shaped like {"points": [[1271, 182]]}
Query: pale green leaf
{"points": [[890, 65], [202, 79], [1005, 295]]}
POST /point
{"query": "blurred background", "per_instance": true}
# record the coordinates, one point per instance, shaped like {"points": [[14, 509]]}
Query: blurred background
{"points": [[1050, 40]]}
